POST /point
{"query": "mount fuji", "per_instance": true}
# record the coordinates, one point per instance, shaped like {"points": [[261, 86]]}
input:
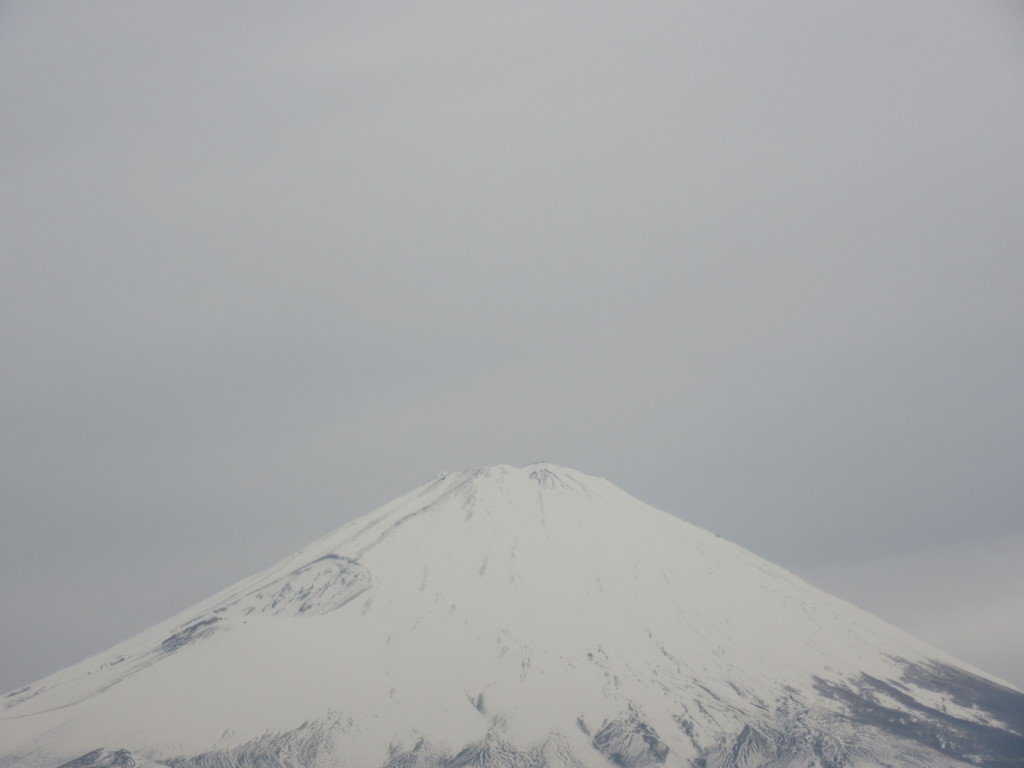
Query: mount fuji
{"points": [[517, 618]]}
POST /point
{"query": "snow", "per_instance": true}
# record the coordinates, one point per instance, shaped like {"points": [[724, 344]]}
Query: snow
{"points": [[520, 603]]}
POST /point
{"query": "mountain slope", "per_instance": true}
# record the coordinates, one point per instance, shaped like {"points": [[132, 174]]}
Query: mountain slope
{"points": [[517, 617]]}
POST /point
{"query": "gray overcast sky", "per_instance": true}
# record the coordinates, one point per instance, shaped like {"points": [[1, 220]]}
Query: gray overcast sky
{"points": [[266, 266]]}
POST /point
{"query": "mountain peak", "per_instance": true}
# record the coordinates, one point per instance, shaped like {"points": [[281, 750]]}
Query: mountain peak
{"points": [[534, 616], [540, 473], [516, 490]]}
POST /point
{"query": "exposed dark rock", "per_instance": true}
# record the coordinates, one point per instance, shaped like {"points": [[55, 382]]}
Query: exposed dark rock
{"points": [[103, 758], [873, 702], [190, 634], [630, 742]]}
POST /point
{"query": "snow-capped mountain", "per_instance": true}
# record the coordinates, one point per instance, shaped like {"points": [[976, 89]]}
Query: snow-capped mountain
{"points": [[517, 618]]}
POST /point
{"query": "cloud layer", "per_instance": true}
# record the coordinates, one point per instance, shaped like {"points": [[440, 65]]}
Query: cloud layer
{"points": [[264, 268]]}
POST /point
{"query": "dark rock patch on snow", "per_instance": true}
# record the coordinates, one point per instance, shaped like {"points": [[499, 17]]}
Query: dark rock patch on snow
{"points": [[103, 758], [882, 705], [630, 742], [320, 587], [193, 632]]}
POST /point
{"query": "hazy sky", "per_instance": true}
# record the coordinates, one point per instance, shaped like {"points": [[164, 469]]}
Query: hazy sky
{"points": [[265, 266]]}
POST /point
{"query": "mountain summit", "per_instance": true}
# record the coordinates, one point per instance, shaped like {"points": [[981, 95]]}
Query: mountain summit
{"points": [[517, 618]]}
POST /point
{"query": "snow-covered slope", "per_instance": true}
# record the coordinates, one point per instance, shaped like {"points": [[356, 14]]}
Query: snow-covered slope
{"points": [[517, 617]]}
